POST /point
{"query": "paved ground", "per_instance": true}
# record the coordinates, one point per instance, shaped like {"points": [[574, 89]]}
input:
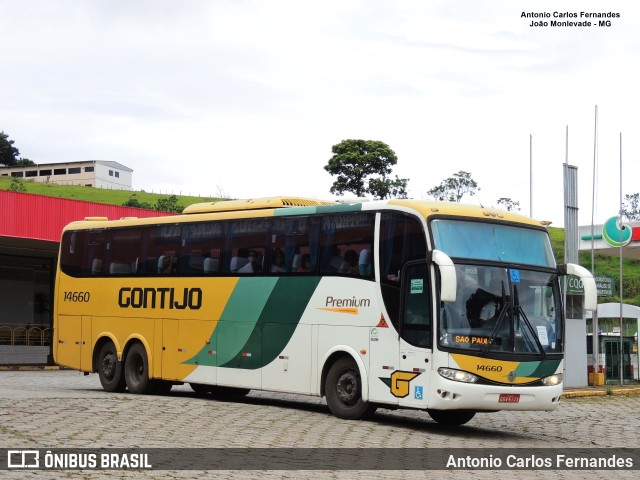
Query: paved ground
{"points": [[61, 408]]}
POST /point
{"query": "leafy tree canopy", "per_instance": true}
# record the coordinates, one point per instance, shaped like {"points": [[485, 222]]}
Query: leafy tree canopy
{"points": [[508, 204], [363, 167], [8, 153], [631, 207], [452, 189], [168, 204]]}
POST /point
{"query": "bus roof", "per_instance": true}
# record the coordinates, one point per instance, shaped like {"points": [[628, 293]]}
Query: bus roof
{"points": [[254, 204], [285, 206]]}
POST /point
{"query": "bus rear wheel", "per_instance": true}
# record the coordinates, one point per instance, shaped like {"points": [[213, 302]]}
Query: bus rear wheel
{"points": [[136, 370], [343, 389], [110, 369], [451, 418]]}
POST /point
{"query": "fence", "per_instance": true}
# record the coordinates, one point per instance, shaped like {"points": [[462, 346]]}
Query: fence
{"points": [[29, 335]]}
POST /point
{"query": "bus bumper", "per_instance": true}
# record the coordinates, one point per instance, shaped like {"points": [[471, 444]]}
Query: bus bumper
{"points": [[449, 395]]}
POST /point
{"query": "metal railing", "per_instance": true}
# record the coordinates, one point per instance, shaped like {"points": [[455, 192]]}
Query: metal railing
{"points": [[20, 334]]}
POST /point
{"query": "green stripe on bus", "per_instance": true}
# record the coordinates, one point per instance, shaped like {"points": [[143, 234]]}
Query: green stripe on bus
{"points": [[277, 323], [237, 322], [343, 207], [338, 208], [537, 369], [283, 212]]}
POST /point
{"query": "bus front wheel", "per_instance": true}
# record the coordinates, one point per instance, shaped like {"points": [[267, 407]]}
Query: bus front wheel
{"points": [[110, 369], [451, 418], [136, 370], [343, 389]]}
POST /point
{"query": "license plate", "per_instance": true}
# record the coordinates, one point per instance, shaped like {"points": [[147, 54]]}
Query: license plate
{"points": [[509, 398]]}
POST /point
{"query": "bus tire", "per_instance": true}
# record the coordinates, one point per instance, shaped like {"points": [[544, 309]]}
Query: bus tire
{"points": [[136, 370], [343, 389], [110, 369], [451, 418]]}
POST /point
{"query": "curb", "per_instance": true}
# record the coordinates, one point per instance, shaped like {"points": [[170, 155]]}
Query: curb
{"points": [[27, 368], [608, 392]]}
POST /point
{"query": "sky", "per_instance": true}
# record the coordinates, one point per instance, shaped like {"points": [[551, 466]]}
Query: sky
{"points": [[245, 98]]}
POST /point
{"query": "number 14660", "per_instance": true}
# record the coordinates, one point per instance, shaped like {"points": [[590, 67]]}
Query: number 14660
{"points": [[78, 297]]}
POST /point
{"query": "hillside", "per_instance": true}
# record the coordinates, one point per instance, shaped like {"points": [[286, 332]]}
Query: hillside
{"points": [[604, 265], [99, 195]]}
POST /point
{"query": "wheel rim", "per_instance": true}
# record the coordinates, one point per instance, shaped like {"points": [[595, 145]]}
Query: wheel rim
{"points": [[138, 370], [347, 388], [109, 366]]}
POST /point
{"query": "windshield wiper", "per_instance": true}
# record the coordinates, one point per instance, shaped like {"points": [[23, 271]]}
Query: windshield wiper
{"points": [[503, 310], [518, 308]]}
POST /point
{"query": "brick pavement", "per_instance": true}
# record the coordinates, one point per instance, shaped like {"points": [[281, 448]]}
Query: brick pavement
{"points": [[61, 408]]}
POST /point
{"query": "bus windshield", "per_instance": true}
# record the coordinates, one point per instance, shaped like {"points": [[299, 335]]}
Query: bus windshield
{"points": [[499, 242], [502, 303], [499, 309]]}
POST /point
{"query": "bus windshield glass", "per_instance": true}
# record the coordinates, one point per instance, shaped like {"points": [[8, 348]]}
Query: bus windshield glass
{"points": [[499, 309], [492, 242]]}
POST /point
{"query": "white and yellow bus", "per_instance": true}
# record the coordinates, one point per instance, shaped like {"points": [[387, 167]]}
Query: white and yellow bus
{"points": [[448, 308]]}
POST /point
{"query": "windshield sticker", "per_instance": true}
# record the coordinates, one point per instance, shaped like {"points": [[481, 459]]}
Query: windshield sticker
{"points": [[542, 335], [515, 275], [417, 285]]}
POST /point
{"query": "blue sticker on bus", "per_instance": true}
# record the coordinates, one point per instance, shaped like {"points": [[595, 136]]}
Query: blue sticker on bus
{"points": [[418, 393], [515, 275]]}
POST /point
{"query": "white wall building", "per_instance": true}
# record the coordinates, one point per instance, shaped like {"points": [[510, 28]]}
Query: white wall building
{"points": [[90, 173]]}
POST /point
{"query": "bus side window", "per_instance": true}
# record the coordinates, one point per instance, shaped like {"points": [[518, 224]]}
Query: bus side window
{"points": [[401, 239], [346, 243], [297, 238], [246, 245], [202, 248], [416, 319]]}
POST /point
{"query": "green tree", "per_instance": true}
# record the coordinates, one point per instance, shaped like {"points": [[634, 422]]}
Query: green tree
{"points": [[169, 204], [17, 185], [8, 153], [508, 204], [452, 189], [24, 162], [631, 207], [362, 167], [134, 202]]}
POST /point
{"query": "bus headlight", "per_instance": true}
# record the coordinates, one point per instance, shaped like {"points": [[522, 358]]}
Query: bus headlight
{"points": [[457, 375], [552, 380]]}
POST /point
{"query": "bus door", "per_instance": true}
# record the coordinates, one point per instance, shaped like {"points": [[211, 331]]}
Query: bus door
{"points": [[413, 375], [383, 358], [73, 342]]}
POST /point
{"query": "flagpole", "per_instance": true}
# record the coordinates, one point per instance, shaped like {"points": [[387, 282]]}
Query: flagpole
{"points": [[621, 227], [530, 175], [595, 339]]}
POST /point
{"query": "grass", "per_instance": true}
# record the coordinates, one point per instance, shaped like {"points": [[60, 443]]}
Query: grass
{"points": [[98, 195]]}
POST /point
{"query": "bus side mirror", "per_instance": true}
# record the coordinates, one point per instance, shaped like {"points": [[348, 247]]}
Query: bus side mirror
{"points": [[447, 276], [588, 283]]}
